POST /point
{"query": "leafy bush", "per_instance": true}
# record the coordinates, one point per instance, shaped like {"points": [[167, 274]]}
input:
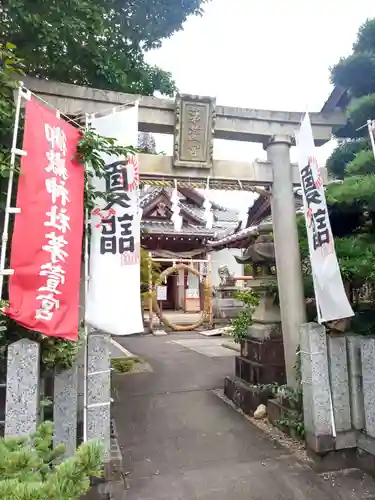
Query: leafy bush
{"points": [[240, 324], [29, 468], [56, 354]]}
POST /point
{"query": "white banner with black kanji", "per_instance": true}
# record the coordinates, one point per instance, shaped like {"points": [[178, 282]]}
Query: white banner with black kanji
{"points": [[113, 299], [331, 299]]}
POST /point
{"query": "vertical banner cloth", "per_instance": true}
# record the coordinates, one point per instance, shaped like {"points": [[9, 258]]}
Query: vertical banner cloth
{"points": [[113, 301], [330, 294], [47, 239]]}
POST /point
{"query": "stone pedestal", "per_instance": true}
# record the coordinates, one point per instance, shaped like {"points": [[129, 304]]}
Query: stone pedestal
{"points": [[22, 391], [262, 354], [225, 307], [266, 317]]}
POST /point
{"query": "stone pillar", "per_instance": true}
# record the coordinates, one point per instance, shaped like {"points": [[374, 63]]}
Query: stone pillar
{"points": [[355, 381], [368, 376], [99, 390], [81, 383], [338, 368], [22, 391], [288, 260], [65, 410], [339, 377], [316, 388]]}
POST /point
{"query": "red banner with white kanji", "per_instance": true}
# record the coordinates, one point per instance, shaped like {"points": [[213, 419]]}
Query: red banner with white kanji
{"points": [[47, 239]]}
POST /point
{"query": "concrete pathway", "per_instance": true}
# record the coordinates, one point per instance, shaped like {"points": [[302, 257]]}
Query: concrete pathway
{"points": [[180, 441], [211, 347]]}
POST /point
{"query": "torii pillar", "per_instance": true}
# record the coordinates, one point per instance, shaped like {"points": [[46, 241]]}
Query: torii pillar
{"points": [[288, 259]]}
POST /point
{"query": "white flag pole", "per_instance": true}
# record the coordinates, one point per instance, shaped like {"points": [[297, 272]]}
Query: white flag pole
{"points": [[8, 209], [86, 334], [371, 131]]}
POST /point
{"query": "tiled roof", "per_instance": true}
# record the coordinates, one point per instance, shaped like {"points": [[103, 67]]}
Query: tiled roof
{"points": [[227, 215], [222, 213], [156, 227], [149, 195]]}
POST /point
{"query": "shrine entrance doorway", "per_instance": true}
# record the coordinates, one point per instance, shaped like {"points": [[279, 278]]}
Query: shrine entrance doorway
{"points": [[194, 301], [171, 282]]}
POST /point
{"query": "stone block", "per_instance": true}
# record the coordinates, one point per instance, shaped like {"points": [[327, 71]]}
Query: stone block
{"points": [[65, 409], [355, 381], [368, 377], [339, 376], [245, 396], [346, 439], [98, 426], [336, 460], [366, 443], [320, 444], [262, 331], [365, 459], [22, 391], [316, 387], [258, 373], [98, 390]]}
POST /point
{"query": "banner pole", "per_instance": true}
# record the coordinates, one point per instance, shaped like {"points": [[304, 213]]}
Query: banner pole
{"points": [[4, 239], [85, 345], [371, 131], [150, 290]]}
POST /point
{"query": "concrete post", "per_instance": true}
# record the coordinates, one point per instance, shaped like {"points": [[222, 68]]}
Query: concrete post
{"points": [[288, 259], [22, 391], [316, 388], [65, 410]]}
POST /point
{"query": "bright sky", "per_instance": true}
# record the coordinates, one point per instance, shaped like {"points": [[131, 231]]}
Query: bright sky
{"points": [[269, 55]]}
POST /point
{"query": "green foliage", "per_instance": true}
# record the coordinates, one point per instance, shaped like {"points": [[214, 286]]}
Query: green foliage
{"points": [[292, 399], [356, 256], [361, 110], [90, 149], [56, 354], [293, 424], [99, 43], [248, 270], [352, 203], [365, 38], [355, 73], [30, 468], [362, 164], [10, 66], [123, 365], [147, 265], [343, 154], [240, 324], [356, 190]]}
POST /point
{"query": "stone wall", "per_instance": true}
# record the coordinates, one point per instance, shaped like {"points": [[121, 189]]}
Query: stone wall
{"points": [[338, 377]]}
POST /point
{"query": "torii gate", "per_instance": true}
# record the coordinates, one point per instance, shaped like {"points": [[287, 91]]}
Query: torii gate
{"points": [[194, 122]]}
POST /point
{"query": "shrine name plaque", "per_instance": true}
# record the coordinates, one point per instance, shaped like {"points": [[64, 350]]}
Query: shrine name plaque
{"points": [[194, 131]]}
